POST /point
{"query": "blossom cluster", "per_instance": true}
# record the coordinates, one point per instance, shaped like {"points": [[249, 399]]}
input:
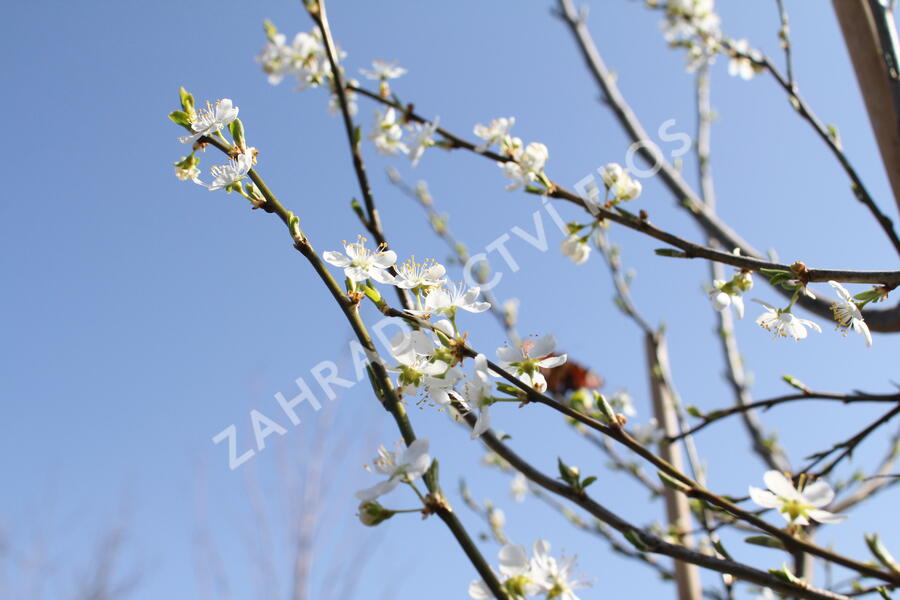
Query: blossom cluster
{"points": [[525, 165], [208, 123], [693, 25], [541, 575], [427, 364], [392, 137]]}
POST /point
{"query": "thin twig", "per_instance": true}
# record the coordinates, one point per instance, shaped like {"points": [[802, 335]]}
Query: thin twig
{"points": [[848, 446], [722, 413]]}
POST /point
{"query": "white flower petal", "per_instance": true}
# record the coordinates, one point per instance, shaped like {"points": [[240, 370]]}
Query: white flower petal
{"points": [[781, 485], [336, 258], [823, 516], [483, 423], [764, 498], [818, 493]]}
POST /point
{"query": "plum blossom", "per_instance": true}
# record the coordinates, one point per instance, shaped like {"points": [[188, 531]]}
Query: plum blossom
{"points": [[740, 64], [847, 313], [477, 392], [446, 301], [420, 277], [783, 323], [723, 294], [304, 58], [187, 168], [693, 25], [388, 135], [555, 576], [211, 119], [796, 506], [515, 576], [383, 70], [494, 133], [421, 137], [418, 369], [526, 166], [619, 183], [401, 465], [576, 249], [413, 353], [518, 489], [360, 263], [530, 357], [334, 103], [227, 175]]}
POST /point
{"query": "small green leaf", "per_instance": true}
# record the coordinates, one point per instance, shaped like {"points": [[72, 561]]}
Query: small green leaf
{"points": [[670, 252], [270, 29], [672, 483], [236, 128], [717, 544], [694, 411], [432, 476], [633, 536], [880, 552], [187, 101], [588, 481], [179, 117], [764, 540]]}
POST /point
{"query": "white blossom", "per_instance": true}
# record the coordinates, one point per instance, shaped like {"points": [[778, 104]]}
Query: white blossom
{"points": [[693, 25], [526, 165], [383, 70], [740, 65], [555, 576], [446, 301], [620, 184], [229, 174], [187, 169], [305, 58], [415, 276], [723, 294], [477, 392], [515, 571], [401, 465], [494, 133], [797, 507], [518, 489], [334, 103], [783, 323], [529, 357], [211, 119], [416, 368], [360, 263], [388, 135], [576, 249], [847, 313], [421, 137]]}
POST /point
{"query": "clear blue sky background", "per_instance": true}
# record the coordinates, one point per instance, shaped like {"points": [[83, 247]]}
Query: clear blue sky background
{"points": [[142, 315]]}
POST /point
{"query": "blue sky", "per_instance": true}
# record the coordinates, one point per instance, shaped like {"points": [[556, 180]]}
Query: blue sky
{"points": [[143, 315]]}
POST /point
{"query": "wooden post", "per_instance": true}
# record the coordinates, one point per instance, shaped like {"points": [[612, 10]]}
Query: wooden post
{"points": [[864, 47], [678, 512]]}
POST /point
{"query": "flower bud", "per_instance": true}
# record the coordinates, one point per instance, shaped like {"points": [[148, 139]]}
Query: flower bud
{"points": [[372, 513], [744, 281]]}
